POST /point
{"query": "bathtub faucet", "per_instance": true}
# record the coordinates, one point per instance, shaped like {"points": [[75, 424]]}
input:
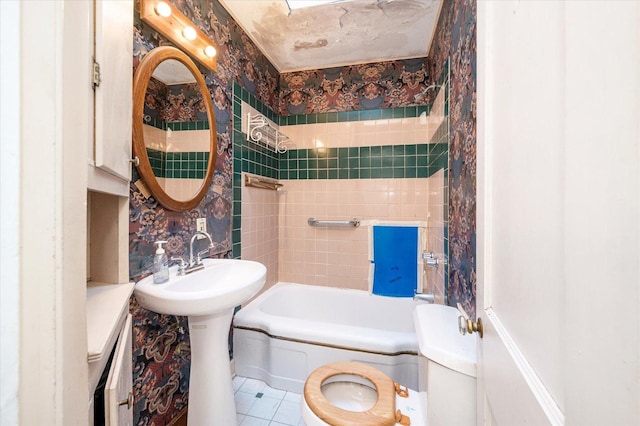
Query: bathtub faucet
{"points": [[195, 263], [427, 297]]}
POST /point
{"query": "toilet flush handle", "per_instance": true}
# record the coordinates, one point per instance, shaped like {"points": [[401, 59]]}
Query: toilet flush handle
{"points": [[466, 325]]}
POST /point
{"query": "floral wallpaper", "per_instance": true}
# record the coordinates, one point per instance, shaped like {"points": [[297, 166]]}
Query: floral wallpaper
{"points": [[356, 87], [455, 38], [161, 343], [176, 102]]}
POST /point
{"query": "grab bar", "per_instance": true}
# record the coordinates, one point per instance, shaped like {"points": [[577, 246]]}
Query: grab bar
{"points": [[259, 182], [353, 223]]}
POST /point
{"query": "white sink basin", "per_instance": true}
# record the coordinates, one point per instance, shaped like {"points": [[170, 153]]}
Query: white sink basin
{"points": [[207, 297], [221, 285]]}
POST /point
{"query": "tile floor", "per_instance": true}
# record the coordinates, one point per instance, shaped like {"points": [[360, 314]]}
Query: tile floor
{"points": [[257, 404]]}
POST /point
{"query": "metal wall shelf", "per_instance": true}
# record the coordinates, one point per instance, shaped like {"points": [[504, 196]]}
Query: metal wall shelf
{"points": [[261, 130]]}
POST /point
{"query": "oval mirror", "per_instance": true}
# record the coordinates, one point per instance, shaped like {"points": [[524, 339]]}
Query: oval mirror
{"points": [[174, 128]]}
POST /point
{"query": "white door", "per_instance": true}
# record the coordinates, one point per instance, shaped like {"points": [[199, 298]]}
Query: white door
{"points": [[119, 387], [558, 212]]}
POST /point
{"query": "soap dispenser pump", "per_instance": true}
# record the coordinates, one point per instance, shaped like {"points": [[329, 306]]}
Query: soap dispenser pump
{"points": [[160, 264]]}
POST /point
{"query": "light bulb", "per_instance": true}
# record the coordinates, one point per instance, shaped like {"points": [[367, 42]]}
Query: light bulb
{"points": [[163, 9], [210, 51], [189, 33]]}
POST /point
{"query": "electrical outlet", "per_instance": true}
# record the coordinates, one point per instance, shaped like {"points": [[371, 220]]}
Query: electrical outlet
{"points": [[201, 225]]}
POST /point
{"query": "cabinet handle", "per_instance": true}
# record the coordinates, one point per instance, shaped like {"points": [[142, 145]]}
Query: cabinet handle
{"points": [[135, 160], [128, 402]]}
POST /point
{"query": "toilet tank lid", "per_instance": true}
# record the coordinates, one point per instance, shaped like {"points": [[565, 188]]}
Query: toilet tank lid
{"points": [[440, 341]]}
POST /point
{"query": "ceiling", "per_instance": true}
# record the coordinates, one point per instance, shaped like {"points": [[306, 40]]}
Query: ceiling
{"points": [[337, 34]]}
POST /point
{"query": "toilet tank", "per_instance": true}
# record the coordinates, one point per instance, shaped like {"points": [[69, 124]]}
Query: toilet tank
{"points": [[447, 366]]}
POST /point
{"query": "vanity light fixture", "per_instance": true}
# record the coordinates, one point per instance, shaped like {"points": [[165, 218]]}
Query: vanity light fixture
{"points": [[210, 51], [189, 33], [165, 18], [163, 9]]}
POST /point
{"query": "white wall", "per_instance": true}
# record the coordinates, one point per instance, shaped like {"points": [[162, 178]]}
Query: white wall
{"points": [[9, 220], [45, 98]]}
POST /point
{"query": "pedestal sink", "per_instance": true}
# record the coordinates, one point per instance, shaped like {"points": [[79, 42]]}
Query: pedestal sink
{"points": [[208, 298]]}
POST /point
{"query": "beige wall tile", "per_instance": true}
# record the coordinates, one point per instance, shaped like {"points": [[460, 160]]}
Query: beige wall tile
{"points": [[339, 257], [260, 229], [328, 256]]}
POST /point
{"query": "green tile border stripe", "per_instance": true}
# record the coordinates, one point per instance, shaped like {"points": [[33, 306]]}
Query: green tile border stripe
{"points": [[365, 162], [178, 125], [181, 165], [359, 115]]}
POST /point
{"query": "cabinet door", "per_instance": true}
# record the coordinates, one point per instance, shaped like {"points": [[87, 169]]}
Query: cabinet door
{"points": [[113, 105], [118, 392]]}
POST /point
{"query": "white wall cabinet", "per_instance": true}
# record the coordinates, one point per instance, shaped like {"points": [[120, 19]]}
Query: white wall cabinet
{"points": [[110, 148]]}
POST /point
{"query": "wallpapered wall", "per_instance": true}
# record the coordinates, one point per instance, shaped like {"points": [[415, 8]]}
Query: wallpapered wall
{"points": [[161, 343], [357, 87], [177, 102], [455, 37]]}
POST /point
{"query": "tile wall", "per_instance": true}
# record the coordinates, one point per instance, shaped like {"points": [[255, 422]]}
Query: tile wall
{"points": [[178, 157], [340, 257], [259, 224], [438, 215], [373, 165]]}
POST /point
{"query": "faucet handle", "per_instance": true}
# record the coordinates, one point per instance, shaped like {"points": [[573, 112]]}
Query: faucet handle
{"points": [[182, 264], [203, 253], [430, 259]]}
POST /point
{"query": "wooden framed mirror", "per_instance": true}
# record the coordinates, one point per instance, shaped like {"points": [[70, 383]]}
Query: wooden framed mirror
{"points": [[174, 128]]}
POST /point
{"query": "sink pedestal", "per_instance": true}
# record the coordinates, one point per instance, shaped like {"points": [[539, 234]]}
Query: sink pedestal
{"points": [[211, 399]]}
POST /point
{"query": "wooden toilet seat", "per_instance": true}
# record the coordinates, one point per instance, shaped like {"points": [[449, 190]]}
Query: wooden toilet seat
{"points": [[381, 414]]}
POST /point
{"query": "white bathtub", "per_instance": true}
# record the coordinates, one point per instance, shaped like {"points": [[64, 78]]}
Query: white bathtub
{"points": [[291, 329]]}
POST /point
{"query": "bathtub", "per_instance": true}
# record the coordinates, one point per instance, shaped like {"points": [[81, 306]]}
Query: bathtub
{"points": [[292, 329]]}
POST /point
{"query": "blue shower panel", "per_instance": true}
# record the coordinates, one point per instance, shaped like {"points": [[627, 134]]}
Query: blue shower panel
{"points": [[395, 251]]}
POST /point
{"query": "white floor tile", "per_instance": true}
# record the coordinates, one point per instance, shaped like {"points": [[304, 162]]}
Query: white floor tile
{"points": [[252, 386], [264, 408], [273, 408], [270, 392], [288, 413], [244, 402], [254, 421], [237, 382], [292, 397]]}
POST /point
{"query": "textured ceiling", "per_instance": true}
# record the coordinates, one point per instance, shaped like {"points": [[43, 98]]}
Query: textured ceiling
{"points": [[342, 33]]}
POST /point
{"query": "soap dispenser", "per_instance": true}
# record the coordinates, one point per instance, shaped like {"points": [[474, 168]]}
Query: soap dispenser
{"points": [[160, 264]]}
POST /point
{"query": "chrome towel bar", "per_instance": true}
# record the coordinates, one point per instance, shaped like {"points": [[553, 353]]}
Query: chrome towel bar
{"points": [[261, 182], [353, 223]]}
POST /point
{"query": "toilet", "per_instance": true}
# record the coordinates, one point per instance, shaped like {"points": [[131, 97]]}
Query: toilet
{"points": [[352, 393]]}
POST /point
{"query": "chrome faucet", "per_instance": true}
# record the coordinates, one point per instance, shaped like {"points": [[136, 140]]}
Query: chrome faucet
{"points": [[195, 263], [426, 297]]}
